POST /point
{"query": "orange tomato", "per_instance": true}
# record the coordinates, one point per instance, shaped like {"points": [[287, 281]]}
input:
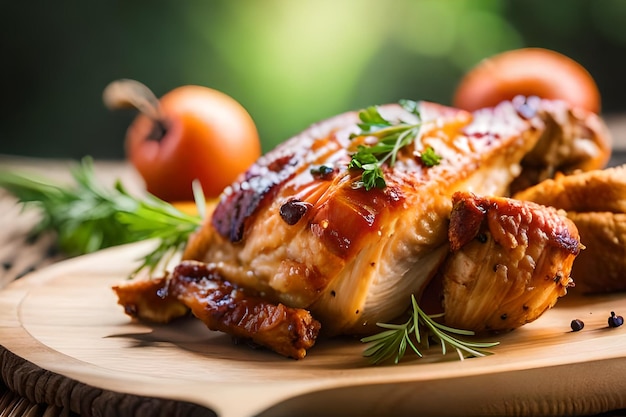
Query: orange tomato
{"points": [[529, 72], [200, 133]]}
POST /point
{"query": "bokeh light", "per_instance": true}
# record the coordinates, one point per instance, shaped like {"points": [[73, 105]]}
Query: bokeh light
{"points": [[290, 63]]}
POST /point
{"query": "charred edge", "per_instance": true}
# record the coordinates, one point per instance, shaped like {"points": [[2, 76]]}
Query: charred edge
{"points": [[260, 182], [227, 308], [465, 221], [565, 240]]}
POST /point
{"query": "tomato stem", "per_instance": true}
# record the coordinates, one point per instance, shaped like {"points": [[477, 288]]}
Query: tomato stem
{"points": [[126, 93]]}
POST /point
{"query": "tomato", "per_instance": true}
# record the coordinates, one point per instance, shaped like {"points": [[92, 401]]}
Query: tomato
{"points": [[192, 132], [528, 71]]}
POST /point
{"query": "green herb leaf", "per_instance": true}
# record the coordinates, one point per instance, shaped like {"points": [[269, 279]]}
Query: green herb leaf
{"points": [[88, 217], [430, 158], [392, 137], [391, 344]]}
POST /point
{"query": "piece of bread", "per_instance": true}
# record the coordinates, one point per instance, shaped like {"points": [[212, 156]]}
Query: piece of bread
{"points": [[601, 267], [596, 190], [596, 202]]}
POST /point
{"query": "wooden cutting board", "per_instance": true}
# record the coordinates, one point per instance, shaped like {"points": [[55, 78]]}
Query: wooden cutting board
{"points": [[65, 320]]}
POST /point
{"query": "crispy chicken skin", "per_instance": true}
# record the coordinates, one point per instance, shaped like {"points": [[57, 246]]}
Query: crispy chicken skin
{"points": [[149, 299], [510, 261], [195, 287], [299, 227], [223, 306], [596, 202]]}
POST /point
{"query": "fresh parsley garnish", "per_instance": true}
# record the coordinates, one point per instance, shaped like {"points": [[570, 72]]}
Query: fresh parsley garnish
{"points": [[392, 343], [392, 136], [430, 158], [88, 217]]}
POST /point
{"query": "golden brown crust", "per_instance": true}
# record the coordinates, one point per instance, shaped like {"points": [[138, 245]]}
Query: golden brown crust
{"points": [[224, 307], [597, 190], [509, 266], [149, 299], [506, 220], [596, 202], [601, 267], [321, 241], [198, 287]]}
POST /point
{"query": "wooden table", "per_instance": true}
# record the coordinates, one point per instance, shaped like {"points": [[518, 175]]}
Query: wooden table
{"points": [[20, 255]]}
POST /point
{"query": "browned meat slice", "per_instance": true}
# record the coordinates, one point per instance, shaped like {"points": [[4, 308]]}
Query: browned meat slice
{"points": [[300, 228], [224, 307], [572, 140], [596, 202], [510, 261], [149, 299]]}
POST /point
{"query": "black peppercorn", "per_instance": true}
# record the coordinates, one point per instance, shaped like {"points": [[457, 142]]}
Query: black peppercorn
{"points": [[615, 321], [292, 211], [577, 325]]}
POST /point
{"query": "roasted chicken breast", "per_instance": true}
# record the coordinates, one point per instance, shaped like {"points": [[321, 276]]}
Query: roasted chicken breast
{"points": [[299, 228]]}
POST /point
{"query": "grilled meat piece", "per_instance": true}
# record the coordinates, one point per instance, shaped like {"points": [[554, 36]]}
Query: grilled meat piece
{"points": [[300, 228], [224, 307], [572, 139], [510, 261], [596, 202], [196, 287], [148, 299]]}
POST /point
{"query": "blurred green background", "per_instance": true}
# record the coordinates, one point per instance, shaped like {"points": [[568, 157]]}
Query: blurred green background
{"points": [[290, 63]]}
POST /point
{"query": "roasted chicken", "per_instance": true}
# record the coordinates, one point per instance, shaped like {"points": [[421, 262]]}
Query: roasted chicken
{"points": [[573, 140], [148, 298], [510, 261], [225, 307], [195, 287], [300, 229]]}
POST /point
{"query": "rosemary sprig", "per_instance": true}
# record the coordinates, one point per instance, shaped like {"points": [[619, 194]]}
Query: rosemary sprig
{"points": [[392, 136], [392, 343], [88, 217]]}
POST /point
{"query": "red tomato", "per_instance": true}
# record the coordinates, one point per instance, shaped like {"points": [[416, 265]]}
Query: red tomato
{"points": [[205, 135], [529, 71]]}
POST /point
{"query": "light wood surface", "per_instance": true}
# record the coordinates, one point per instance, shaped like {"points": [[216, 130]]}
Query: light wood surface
{"points": [[65, 319]]}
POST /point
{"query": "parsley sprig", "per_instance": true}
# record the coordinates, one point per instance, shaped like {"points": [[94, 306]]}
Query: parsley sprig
{"points": [[392, 136], [392, 343], [88, 217]]}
